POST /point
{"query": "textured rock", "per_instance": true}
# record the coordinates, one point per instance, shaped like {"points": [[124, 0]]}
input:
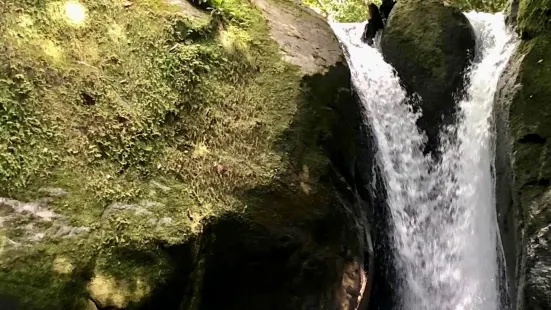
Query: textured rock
{"points": [[293, 27], [430, 45], [216, 158], [523, 162]]}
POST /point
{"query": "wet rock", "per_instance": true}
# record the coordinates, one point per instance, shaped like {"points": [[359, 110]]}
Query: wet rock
{"points": [[386, 8], [374, 24], [523, 163], [430, 45]]}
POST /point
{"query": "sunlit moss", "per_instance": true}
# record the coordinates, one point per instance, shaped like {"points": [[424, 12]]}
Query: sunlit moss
{"points": [[75, 12], [51, 49], [112, 292], [63, 265], [106, 103]]}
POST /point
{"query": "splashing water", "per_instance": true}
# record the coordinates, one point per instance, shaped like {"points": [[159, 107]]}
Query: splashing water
{"points": [[443, 213]]}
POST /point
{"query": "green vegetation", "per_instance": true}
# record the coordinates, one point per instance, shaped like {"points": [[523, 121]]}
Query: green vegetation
{"points": [[166, 108], [112, 103], [342, 10], [530, 130], [480, 5], [530, 110], [356, 10], [534, 18]]}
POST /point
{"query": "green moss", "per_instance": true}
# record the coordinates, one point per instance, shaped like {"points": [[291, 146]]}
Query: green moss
{"points": [[177, 113], [114, 100], [48, 276], [342, 11], [125, 277], [480, 5], [534, 18], [530, 111], [404, 24]]}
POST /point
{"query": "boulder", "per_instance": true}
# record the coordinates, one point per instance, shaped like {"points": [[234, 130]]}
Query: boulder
{"points": [[430, 45], [209, 163], [522, 158]]}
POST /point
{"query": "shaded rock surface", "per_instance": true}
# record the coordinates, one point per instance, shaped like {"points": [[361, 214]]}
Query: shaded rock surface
{"points": [[430, 45], [522, 157]]}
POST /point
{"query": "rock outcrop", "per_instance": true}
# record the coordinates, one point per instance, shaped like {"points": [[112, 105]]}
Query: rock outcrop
{"points": [[430, 45], [523, 161], [159, 156]]}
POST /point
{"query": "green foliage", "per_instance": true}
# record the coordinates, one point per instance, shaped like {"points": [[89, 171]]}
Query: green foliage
{"points": [[534, 18], [480, 5], [343, 10], [356, 10]]}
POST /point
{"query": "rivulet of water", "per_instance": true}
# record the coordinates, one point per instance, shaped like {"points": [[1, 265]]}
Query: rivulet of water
{"points": [[443, 212]]}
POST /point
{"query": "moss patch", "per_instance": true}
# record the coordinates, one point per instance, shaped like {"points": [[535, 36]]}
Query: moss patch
{"points": [[534, 18], [530, 112], [50, 275], [151, 119]]}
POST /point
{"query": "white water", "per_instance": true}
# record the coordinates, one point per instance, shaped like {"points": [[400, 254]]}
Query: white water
{"points": [[443, 213]]}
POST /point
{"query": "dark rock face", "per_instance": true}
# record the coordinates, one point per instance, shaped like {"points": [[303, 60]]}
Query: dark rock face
{"points": [[375, 23], [377, 19], [523, 175], [386, 7], [430, 45]]}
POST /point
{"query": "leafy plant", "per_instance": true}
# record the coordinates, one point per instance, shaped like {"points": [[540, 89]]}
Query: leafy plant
{"points": [[481, 5], [342, 10]]}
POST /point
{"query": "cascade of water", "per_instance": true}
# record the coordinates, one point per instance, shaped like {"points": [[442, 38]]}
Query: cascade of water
{"points": [[443, 213]]}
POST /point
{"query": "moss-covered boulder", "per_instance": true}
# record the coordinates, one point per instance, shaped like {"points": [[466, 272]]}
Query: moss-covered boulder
{"points": [[523, 156], [430, 45], [146, 144]]}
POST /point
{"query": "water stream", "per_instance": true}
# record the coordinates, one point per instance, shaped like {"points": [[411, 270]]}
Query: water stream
{"points": [[444, 231]]}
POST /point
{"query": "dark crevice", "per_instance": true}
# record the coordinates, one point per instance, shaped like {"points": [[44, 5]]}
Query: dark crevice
{"points": [[541, 182], [170, 295], [533, 138]]}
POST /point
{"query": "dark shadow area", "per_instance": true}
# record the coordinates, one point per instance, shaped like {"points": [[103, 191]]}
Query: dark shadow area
{"points": [[171, 294], [372, 190], [251, 266], [294, 245], [289, 250], [8, 302], [533, 138]]}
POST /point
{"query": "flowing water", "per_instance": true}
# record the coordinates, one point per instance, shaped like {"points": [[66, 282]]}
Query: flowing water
{"points": [[444, 230]]}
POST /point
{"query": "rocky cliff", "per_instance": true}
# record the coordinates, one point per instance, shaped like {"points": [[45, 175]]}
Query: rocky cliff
{"points": [[523, 156], [176, 155]]}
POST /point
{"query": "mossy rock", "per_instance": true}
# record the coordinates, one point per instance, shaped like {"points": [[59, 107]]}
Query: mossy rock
{"points": [[430, 45], [529, 116], [523, 102], [534, 18], [127, 126]]}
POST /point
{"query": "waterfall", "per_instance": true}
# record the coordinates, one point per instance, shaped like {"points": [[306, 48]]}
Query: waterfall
{"points": [[444, 229]]}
